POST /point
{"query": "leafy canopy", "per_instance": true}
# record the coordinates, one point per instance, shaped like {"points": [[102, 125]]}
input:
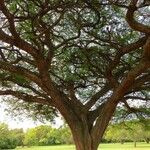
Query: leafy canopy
{"points": [[74, 56]]}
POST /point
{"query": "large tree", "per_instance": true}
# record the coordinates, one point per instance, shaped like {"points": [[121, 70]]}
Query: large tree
{"points": [[81, 57]]}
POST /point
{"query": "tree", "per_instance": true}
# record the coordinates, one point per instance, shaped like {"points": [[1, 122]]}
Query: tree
{"points": [[46, 135], [117, 133], [30, 138], [37, 136], [7, 140], [134, 130], [139, 130], [18, 134], [64, 134], [79, 57]]}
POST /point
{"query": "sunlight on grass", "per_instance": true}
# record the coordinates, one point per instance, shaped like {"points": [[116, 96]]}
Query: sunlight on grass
{"points": [[126, 146], [116, 146]]}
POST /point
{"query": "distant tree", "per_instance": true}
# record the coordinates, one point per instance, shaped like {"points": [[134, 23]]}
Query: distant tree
{"points": [[65, 135], [146, 129], [117, 133], [139, 130], [46, 135], [30, 137], [42, 135], [62, 135], [18, 134], [134, 130], [79, 57], [54, 137], [7, 140]]}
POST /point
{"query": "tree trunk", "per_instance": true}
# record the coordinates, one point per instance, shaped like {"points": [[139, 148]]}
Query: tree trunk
{"points": [[82, 136], [83, 141], [88, 127], [134, 143], [147, 140], [87, 136]]}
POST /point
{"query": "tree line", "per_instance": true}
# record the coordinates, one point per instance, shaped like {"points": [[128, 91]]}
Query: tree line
{"points": [[129, 131], [44, 135]]}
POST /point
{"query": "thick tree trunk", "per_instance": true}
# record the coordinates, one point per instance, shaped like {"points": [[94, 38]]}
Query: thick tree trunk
{"points": [[83, 137], [87, 136], [84, 141], [88, 127]]}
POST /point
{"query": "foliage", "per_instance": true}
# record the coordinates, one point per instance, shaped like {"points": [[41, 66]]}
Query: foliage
{"points": [[43, 135], [134, 130], [7, 139], [18, 134], [46, 135]]}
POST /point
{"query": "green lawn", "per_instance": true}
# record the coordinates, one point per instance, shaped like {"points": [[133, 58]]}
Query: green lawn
{"points": [[126, 146]]}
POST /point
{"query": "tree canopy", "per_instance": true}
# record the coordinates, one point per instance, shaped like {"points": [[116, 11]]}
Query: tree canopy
{"points": [[79, 57]]}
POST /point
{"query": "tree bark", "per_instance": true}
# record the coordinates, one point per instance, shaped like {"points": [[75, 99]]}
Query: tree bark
{"points": [[83, 139], [83, 136]]}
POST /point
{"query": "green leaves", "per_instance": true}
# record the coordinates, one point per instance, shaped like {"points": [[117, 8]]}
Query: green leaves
{"points": [[46, 135], [7, 139], [134, 130], [20, 79]]}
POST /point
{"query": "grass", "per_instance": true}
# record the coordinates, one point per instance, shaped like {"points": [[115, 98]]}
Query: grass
{"points": [[125, 146], [116, 146]]}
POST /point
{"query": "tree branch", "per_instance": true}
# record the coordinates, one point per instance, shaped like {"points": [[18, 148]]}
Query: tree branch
{"points": [[95, 97], [132, 22], [23, 85], [10, 18], [118, 94], [137, 98], [133, 46], [25, 97], [21, 71], [18, 43]]}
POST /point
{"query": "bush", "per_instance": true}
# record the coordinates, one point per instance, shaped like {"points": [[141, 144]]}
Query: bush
{"points": [[7, 140], [46, 135]]}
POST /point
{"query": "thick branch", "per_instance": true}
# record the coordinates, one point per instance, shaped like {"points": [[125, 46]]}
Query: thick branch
{"points": [[15, 41], [20, 71], [132, 22], [23, 85], [95, 97], [110, 106], [10, 18], [25, 97], [133, 46]]}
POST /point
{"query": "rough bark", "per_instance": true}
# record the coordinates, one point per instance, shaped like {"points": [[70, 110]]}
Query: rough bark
{"points": [[82, 137]]}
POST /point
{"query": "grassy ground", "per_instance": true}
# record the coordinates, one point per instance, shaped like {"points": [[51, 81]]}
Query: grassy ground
{"points": [[126, 146]]}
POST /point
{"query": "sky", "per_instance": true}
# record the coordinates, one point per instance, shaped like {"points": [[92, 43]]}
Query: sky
{"points": [[18, 123], [15, 122]]}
